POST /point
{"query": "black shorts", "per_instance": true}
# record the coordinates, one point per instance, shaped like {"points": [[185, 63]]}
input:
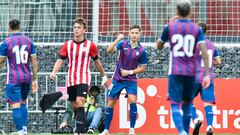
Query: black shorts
{"points": [[77, 91]]}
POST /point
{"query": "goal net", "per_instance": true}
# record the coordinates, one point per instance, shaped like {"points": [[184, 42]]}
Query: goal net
{"points": [[50, 21]]}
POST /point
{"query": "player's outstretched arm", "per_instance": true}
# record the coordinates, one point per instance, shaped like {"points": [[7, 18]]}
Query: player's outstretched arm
{"points": [[56, 68], [111, 47]]}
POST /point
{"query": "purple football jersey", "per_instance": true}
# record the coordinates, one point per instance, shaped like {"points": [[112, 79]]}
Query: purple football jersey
{"points": [[129, 58], [212, 54], [18, 49], [183, 36]]}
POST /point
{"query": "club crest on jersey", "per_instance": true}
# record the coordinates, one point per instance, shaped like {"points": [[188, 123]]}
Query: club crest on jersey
{"points": [[125, 50], [84, 49], [137, 53]]}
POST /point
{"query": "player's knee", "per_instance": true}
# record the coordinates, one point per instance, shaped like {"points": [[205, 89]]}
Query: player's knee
{"points": [[207, 104], [132, 98], [15, 105]]}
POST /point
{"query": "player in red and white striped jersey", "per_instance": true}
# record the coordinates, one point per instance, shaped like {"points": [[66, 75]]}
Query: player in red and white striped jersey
{"points": [[78, 51]]}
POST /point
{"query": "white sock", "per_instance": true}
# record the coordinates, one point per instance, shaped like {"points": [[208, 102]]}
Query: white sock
{"points": [[183, 133], [196, 120], [208, 127], [24, 128], [20, 132], [106, 131]]}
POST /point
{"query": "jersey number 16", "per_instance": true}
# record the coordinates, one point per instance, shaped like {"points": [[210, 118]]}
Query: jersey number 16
{"points": [[21, 54]]}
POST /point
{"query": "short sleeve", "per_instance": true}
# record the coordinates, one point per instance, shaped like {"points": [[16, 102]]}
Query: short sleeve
{"points": [[165, 36], [216, 53], [93, 50], [120, 45], [63, 51], [33, 49], [201, 36], [3, 49], [143, 58]]}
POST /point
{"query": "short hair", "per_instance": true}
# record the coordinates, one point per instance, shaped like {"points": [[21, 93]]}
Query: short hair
{"points": [[82, 21], [184, 7], [14, 24], [135, 26], [203, 26]]}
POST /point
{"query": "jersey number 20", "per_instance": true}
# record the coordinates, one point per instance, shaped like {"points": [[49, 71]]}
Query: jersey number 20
{"points": [[186, 42], [21, 54]]}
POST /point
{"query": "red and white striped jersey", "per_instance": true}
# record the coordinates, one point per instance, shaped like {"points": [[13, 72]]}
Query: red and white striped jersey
{"points": [[78, 55]]}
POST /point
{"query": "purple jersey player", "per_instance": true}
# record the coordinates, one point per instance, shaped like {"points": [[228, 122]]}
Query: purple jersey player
{"points": [[132, 59], [19, 51], [214, 58], [207, 94], [184, 37]]}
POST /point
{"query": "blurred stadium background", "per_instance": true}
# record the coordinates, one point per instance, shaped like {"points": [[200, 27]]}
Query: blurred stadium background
{"points": [[49, 24]]}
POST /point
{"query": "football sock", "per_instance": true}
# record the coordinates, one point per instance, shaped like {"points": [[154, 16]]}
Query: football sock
{"points": [[108, 116], [194, 112], [80, 120], [133, 114], [24, 114], [187, 114], [209, 114], [20, 132], [177, 117], [17, 118]]}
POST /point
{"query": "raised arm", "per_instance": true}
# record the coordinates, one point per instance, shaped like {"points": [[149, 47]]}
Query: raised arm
{"points": [[111, 47]]}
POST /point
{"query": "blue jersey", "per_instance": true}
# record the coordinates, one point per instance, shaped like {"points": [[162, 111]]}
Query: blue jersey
{"points": [[129, 58], [183, 36], [212, 54], [17, 48]]}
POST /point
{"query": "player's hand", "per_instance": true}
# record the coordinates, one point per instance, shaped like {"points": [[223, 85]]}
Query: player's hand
{"points": [[104, 81], [34, 86], [120, 37], [126, 72], [206, 82], [63, 124], [52, 76]]}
